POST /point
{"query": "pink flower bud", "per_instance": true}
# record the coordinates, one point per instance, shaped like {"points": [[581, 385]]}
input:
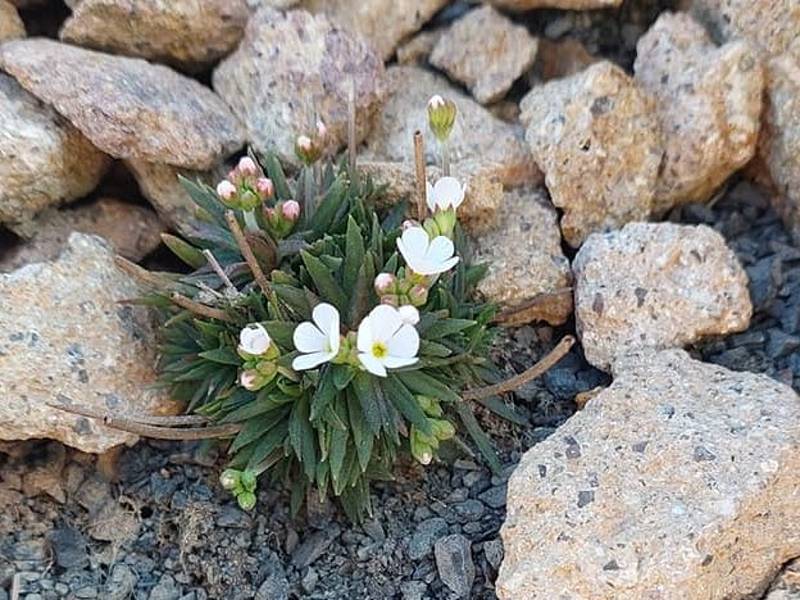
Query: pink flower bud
{"points": [[226, 190], [270, 213], [383, 282], [291, 210], [247, 167], [408, 224], [248, 379], [264, 187]]}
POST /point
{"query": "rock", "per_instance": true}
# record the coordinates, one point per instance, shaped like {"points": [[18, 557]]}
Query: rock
{"points": [[159, 183], [133, 232], [419, 48], [166, 589], [493, 551], [709, 106], [69, 547], [787, 585], [314, 546], [292, 68], [186, 34], [520, 5], [771, 25], [64, 318], [779, 144], [275, 585], [428, 531], [454, 562], [656, 285], [482, 201], [11, 26], [485, 51], [127, 107], [555, 60], [596, 138], [383, 23], [477, 134], [46, 161], [684, 488], [527, 270]]}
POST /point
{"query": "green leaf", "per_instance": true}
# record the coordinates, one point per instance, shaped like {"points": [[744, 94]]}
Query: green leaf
{"points": [[337, 454], [223, 355], [326, 285], [479, 436], [364, 388], [301, 436], [354, 253], [405, 402], [426, 385], [255, 428], [281, 332], [328, 207], [361, 437], [275, 172], [184, 250], [295, 298], [445, 327], [270, 441], [205, 197], [342, 375], [324, 394]]}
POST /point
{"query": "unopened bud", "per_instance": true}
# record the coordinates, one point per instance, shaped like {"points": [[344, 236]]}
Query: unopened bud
{"points": [[443, 430], [265, 188], [246, 500], [249, 379], [247, 167], [229, 479], [249, 200], [390, 299], [408, 224], [418, 295], [291, 210], [226, 190], [304, 143], [441, 117], [248, 481], [384, 282]]}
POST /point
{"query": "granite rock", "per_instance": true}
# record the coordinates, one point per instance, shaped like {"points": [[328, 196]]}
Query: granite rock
{"points": [[11, 26], [67, 339], [292, 68], [678, 481], [596, 137], [656, 285], [127, 107], [521, 5]]}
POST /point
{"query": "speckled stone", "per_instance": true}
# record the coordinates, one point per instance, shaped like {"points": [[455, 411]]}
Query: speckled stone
{"points": [[520, 5], [525, 261], [477, 134], [678, 481], [126, 107], [11, 26], [708, 102], [597, 139], [45, 160], [486, 51], [187, 34], [656, 285], [64, 335], [292, 67]]}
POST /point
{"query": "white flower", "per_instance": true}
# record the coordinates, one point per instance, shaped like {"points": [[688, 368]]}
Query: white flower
{"points": [[424, 256], [254, 340], [226, 190], [409, 314], [318, 341], [435, 102], [385, 341], [446, 193]]}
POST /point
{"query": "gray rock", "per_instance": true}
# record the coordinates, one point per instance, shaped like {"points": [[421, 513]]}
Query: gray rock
{"points": [[166, 589], [575, 126], [656, 285], [183, 33], [709, 106], [523, 5], [127, 107], [293, 68], [64, 317], [493, 550], [314, 546], [662, 519], [275, 585], [485, 51], [69, 548], [46, 161], [426, 534], [494, 496], [121, 583], [454, 562], [11, 26]]}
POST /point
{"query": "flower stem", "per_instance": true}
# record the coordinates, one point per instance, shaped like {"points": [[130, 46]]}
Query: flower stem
{"points": [[250, 220], [445, 159]]}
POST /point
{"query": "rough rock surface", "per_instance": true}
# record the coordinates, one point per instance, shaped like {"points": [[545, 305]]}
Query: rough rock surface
{"points": [[45, 161], [709, 106], [418, 48], [66, 336], [679, 481], [563, 58], [787, 585], [293, 67], [779, 144], [656, 285], [485, 51], [771, 25], [596, 138], [383, 23], [477, 134], [11, 26], [133, 232], [519, 5], [183, 33], [527, 267], [127, 107], [160, 185]]}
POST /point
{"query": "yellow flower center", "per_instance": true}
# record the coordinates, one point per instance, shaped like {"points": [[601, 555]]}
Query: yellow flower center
{"points": [[379, 350]]}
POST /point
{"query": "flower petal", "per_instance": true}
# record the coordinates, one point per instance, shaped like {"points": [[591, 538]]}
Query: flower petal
{"points": [[309, 361], [440, 249], [327, 319], [430, 196], [449, 192], [307, 338], [409, 314], [395, 362], [404, 343], [365, 338], [385, 321], [372, 364]]}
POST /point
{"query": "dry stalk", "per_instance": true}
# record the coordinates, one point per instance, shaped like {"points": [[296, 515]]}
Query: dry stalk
{"points": [[247, 253], [199, 309], [419, 170]]}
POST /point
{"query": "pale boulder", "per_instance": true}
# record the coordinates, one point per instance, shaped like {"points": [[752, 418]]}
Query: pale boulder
{"points": [[11, 26], [67, 338], [656, 286], [523, 5], [678, 481]]}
